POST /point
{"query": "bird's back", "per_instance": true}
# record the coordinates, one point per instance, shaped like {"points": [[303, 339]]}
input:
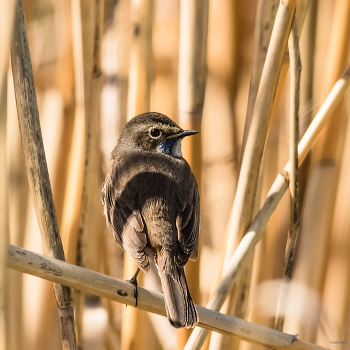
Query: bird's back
{"points": [[158, 186], [151, 204]]}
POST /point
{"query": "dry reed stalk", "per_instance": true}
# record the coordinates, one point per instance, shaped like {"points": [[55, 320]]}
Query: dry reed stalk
{"points": [[243, 204], [65, 67], [191, 90], [82, 33], [82, 19], [219, 136], [338, 58], [115, 66], [141, 64], [330, 146], [335, 300], [89, 220], [18, 203], [269, 252], [37, 172], [51, 118], [247, 183], [65, 84], [295, 70], [265, 18], [6, 23], [275, 194], [90, 209], [6, 328], [136, 330], [270, 8], [121, 291], [307, 54], [272, 236], [319, 203], [6, 307]]}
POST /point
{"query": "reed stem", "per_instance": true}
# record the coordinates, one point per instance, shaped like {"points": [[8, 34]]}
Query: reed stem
{"points": [[38, 176]]}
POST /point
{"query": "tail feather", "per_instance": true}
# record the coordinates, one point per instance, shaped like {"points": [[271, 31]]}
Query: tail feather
{"points": [[179, 305]]}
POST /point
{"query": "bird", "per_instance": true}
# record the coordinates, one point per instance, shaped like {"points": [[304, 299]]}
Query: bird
{"points": [[152, 207]]}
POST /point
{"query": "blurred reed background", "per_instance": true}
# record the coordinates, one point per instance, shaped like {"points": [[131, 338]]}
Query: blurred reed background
{"points": [[97, 64]]}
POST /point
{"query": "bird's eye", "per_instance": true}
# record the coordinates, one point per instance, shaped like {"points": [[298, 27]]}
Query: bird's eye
{"points": [[155, 132]]}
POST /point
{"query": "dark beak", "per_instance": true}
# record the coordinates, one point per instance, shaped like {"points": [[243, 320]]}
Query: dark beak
{"points": [[183, 133]]}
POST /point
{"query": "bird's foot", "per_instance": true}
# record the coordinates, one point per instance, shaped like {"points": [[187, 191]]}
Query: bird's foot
{"points": [[133, 281]]}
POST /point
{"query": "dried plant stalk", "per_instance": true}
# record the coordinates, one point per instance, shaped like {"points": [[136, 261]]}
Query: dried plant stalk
{"points": [[121, 291], [243, 204], [265, 18], [82, 33], [335, 300], [318, 213], [90, 215], [6, 23], [82, 28], [191, 90], [294, 223], [307, 53], [270, 8], [140, 72], [338, 58], [65, 84], [37, 172], [5, 282], [276, 192], [244, 199]]}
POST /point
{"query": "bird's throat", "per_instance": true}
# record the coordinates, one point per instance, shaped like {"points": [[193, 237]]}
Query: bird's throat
{"points": [[171, 147]]}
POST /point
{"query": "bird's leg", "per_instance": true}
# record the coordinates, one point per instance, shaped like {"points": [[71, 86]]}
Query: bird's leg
{"points": [[133, 281]]}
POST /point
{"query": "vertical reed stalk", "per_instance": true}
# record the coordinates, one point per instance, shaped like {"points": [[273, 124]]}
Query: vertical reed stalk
{"points": [[307, 56], [37, 172], [276, 192], [141, 58], [265, 18], [65, 84], [5, 282], [243, 204], [267, 13], [6, 23], [5, 330], [335, 300], [320, 199], [82, 32], [244, 200], [18, 192], [338, 57], [191, 90], [90, 215], [264, 23], [295, 69], [274, 196]]}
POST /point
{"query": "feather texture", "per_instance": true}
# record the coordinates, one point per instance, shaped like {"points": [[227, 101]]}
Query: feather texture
{"points": [[151, 204]]}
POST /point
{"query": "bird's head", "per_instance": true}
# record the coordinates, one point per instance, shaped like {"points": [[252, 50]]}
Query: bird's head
{"points": [[154, 132]]}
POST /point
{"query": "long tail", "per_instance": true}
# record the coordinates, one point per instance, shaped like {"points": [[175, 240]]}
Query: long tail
{"points": [[179, 305]]}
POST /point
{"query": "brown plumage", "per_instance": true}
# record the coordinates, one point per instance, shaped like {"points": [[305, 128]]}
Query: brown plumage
{"points": [[151, 204]]}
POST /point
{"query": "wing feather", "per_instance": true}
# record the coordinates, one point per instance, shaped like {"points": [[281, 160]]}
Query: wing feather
{"points": [[126, 224], [187, 223]]}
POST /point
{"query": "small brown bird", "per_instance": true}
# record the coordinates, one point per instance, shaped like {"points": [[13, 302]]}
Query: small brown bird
{"points": [[151, 204]]}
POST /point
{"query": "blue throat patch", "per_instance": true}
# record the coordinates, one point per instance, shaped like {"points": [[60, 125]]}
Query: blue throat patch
{"points": [[171, 147]]}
